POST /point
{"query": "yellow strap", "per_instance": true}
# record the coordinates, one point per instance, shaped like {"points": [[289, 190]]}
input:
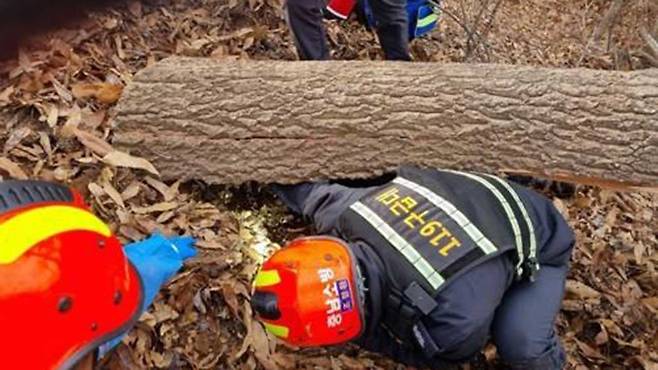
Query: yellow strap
{"points": [[23, 231], [426, 21], [267, 278], [277, 330]]}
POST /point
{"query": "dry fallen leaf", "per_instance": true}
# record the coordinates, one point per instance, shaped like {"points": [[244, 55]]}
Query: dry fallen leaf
{"points": [[212, 244], [651, 302], [91, 120], [53, 116], [167, 192], [159, 207], [260, 346], [102, 91], [95, 189], [131, 191], [93, 142], [6, 94], [161, 360], [230, 297], [12, 169], [113, 194], [581, 290], [120, 159], [647, 364], [611, 217], [62, 91], [164, 312], [638, 251], [589, 351], [131, 233], [44, 140], [116, 42], [602, 337], [16, 137]]}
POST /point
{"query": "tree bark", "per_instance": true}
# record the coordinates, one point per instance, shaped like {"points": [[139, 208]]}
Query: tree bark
{"points": [[231, 122]]}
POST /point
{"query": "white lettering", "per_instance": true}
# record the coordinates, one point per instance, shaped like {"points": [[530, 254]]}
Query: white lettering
{"points": [[325, 274]]}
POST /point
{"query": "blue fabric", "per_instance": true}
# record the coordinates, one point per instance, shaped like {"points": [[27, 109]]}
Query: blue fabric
{"points": [[370, 17], [156, 259], [416, 10], [523, 326], [460, 324], [320, 203]]}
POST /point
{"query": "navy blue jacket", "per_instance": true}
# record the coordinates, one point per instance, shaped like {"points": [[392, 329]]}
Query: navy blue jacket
{"points": [[460, 325]]}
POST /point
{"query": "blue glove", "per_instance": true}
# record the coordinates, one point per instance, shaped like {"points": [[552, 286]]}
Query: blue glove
{"points": [[157, 259]]}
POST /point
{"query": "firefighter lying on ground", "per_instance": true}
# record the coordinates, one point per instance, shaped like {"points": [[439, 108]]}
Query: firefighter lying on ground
{"points": [[424, 268], [68, 290], [396, 21]]}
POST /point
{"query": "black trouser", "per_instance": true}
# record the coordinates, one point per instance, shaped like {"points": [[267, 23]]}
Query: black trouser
{"points": [[305, 20]]}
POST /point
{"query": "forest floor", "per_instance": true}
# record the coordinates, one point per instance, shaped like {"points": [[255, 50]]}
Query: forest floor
{"points": [[56, 99]]}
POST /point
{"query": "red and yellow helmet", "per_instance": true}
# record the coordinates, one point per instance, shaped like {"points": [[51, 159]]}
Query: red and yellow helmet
{"points": [[307, 293], [66, 286]]}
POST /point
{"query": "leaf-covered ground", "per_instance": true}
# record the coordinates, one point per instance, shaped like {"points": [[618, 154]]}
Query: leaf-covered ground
{"points": [[56, 99]]}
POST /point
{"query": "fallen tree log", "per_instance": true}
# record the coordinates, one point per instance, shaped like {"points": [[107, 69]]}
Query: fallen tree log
{"points": [[231, 122]]}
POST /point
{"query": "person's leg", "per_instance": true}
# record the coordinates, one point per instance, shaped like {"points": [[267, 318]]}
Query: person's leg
{"points": [[523, 327], [392, 28], [304, 17]]}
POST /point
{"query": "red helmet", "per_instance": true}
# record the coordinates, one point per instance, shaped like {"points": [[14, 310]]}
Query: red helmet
{"points": [[66, 285], [307, 293]]}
